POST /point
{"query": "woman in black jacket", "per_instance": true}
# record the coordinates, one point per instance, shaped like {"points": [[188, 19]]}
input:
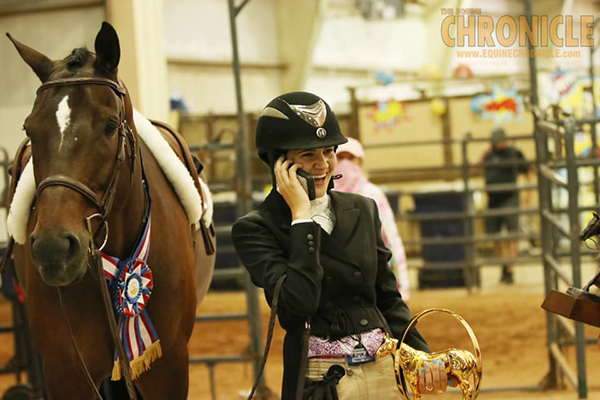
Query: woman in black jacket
{"points": [[330, 249]]}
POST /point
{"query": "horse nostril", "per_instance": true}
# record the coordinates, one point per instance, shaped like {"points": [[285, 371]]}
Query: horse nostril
{"points": [[58, 256], [74, 246], [32, 239], [55, 248]]}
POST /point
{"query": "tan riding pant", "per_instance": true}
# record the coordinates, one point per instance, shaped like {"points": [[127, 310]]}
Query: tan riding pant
{"points": [[375, 380]]}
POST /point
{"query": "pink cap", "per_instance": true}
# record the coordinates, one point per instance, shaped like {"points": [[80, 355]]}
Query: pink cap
{"points": [[353, 147]]}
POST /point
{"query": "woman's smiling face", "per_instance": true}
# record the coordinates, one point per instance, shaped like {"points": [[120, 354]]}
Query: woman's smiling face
{"points": [[320, 163]]}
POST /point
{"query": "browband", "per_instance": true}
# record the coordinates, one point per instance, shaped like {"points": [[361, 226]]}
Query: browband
{"points": [[117, 87]]}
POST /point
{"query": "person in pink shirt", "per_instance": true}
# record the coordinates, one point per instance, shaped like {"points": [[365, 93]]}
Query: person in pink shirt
{"points": [[350, 158]]}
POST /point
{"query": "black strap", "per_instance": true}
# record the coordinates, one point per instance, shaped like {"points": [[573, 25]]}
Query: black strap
{"points": [[7, 254], [84, 369], [303, 361], [123, 360], [269, 335]]}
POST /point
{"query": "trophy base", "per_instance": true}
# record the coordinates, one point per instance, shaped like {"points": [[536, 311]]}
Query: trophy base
{"points": [[576, 304]]}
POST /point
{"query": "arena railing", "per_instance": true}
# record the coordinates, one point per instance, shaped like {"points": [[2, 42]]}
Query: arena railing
{"points": [[25, 358], [469, 238], [232, 273], [555, 146], [242, 186]]}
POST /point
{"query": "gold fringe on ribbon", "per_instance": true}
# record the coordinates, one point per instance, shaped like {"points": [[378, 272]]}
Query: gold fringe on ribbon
{"points": [[141, 364]]}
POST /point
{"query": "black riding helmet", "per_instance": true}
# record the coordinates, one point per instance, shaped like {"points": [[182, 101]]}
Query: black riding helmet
{"points": [[295, 121]]}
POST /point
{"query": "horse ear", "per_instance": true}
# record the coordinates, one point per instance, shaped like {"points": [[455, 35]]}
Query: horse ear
{"points": [[39, 63], [108, 51]]}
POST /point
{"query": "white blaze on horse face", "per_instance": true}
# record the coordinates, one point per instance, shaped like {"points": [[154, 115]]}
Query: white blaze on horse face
{"points": [[63, 117]]}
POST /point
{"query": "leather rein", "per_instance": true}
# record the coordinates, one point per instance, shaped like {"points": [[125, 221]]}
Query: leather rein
{"points": [[104, 206]]}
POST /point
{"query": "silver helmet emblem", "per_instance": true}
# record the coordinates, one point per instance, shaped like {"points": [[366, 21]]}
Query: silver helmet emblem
{"points": [[321, 133], [272, 112], [315, 114]]}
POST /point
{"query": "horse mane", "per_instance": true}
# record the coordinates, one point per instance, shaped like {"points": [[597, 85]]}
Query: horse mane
{"points": [[78, 58]]}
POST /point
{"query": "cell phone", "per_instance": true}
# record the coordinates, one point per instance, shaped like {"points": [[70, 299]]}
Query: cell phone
{"points": [[307, 182]]}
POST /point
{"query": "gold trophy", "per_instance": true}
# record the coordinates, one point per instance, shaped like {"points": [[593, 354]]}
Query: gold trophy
{"points": [[461, 364]]}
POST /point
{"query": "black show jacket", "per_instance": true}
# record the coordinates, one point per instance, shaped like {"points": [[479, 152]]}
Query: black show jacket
{"points": [[341, 280]]}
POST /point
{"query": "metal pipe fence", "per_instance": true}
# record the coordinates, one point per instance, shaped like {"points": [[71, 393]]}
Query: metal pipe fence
{"points": [[470, 238], [244, 204], [555, 147], [25, 359]]}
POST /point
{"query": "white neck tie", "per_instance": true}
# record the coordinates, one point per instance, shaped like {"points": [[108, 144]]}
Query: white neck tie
{"points": [[322, 214]]}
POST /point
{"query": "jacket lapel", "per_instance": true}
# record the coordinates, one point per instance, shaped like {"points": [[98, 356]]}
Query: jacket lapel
{"points": [[346, 218], [332, 245]]}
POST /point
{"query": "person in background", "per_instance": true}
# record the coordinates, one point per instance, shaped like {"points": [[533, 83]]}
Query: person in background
{"points": [[501, 152], [350, 160]]}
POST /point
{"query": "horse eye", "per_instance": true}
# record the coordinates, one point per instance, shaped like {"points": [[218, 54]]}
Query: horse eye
{"points": [[111, 127]]}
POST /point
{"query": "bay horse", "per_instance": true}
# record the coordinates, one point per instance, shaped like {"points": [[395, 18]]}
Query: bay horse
{"points": [[88, 166]]}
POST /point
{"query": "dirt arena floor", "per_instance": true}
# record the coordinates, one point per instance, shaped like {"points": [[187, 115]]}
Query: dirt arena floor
{"points": [[507, 320]]}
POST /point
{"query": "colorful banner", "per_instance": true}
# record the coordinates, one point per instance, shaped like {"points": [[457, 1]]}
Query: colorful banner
{"points": [[503, 105], [388, 114]]}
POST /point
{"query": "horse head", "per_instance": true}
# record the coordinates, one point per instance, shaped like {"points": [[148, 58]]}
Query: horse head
{"points": [[80, 131]]}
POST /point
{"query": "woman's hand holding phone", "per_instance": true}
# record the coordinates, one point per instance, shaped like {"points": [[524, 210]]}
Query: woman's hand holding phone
{"points": [[293, 193]]}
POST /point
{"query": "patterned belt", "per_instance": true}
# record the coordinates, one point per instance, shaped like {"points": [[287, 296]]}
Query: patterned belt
{"points": [[343, 358]]}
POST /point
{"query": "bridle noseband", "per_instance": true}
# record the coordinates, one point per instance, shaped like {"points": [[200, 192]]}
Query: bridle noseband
{"points": [[105, 203]]}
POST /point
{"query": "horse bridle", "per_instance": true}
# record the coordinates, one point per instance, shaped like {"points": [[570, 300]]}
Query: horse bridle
{"points": [[104, 207], [105, 203]]}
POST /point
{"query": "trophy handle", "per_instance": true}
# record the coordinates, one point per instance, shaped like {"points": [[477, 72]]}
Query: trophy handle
{"points": [[474, 342]]}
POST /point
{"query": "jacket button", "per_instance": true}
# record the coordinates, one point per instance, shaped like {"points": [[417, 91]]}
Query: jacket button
{"points": [[311, 243], [363, 322], [328, 280], [310, 236], [356, 300], [311, 249], [357, 275]]}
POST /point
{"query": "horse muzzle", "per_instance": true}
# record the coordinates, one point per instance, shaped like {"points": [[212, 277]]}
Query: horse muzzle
{"points": [[59, 257]]}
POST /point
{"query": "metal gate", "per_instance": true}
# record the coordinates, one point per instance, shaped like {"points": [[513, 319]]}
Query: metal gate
{"points": [[555, 148]]}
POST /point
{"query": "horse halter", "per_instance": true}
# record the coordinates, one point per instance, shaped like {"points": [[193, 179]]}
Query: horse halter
{"points": [[105, 203]]}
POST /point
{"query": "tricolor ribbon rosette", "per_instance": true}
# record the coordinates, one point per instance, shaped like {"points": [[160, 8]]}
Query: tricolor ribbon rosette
{"points": [[132, 287], [131, 284]]}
